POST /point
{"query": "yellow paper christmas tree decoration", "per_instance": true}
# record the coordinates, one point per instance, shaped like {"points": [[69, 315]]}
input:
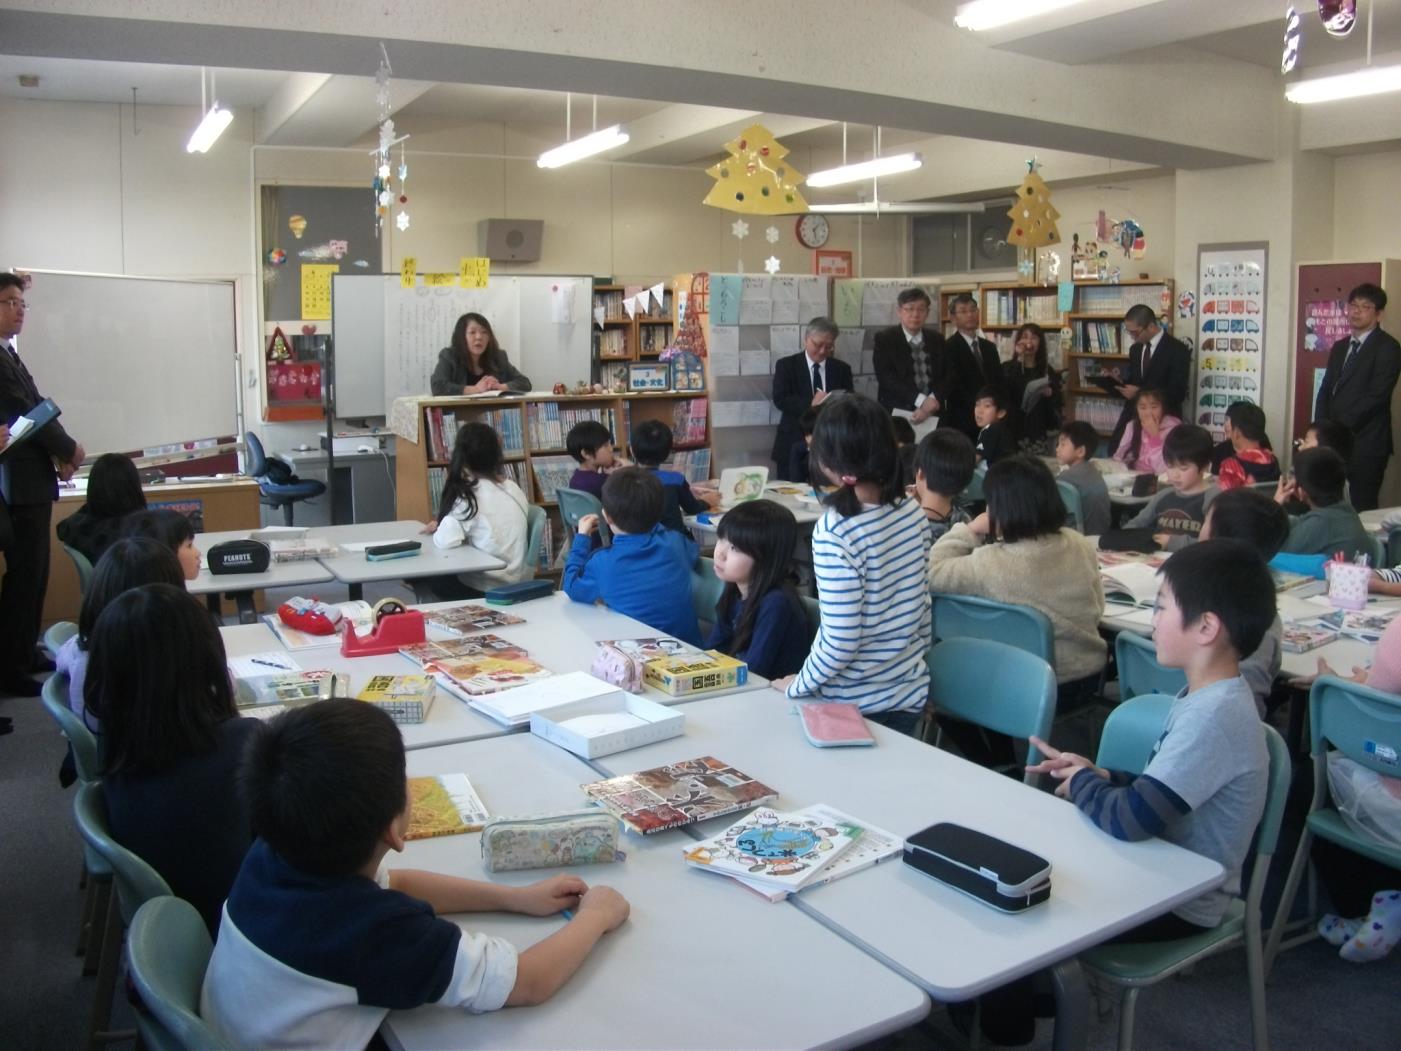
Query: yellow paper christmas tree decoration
{"points": [[755, 179], [1033, 217]]}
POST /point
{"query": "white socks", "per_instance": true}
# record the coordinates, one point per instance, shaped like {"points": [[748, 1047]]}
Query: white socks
{"points": [[1335, 930], [1378, 934]]}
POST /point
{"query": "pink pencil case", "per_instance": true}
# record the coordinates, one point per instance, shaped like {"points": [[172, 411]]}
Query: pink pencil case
{"points": [[828, 725]]}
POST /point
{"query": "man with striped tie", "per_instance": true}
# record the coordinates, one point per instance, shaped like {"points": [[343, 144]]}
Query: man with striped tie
{"points": [[1356, 392]]}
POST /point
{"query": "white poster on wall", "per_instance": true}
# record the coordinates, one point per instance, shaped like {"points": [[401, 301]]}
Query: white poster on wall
{"points": [[1231, 280]]}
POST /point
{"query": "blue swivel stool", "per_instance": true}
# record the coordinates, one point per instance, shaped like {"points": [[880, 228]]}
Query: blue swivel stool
{"points": [[279, 486]]}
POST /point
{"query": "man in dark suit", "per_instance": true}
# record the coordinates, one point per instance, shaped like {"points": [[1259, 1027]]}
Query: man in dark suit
{"points": [[909, 359], [801, 381], [28, 483], [972, 363], [1157, 362], [1356, 392]]}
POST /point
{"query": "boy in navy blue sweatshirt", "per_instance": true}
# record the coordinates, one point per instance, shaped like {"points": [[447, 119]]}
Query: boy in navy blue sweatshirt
{"points": [[646, 573], [651, 445]]}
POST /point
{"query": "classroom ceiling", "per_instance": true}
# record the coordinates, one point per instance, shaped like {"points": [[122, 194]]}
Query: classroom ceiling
{"points": [[336, 109]]}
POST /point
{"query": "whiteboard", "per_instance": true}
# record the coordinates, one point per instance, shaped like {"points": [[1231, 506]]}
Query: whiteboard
{"points": [[134, 362], [387, 337]]}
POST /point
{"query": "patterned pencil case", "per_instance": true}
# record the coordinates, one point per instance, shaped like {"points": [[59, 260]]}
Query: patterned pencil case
{"points": [[576, 837]]}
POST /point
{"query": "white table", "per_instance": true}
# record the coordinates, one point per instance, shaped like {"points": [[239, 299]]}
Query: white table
{"points": [[240, 586], [805, 512], [951, 946], [559, 634], [699, 964], [354, 569]]}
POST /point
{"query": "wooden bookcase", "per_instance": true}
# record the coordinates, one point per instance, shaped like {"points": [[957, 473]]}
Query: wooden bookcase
{"points": [[533, 430], [624, 339]]}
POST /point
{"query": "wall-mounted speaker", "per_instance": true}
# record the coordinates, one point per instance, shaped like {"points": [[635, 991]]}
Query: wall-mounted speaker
{"points": [[510, 240]]}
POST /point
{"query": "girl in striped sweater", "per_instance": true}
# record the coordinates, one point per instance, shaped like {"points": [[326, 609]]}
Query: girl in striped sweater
{"points": [[868, 553]]}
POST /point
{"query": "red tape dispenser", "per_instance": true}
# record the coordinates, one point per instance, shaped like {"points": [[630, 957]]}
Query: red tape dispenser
{"points": [[395, 626]]}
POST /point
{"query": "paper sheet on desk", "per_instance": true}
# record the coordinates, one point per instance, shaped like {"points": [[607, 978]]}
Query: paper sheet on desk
{"points": [[921, 429], [269, 663]]}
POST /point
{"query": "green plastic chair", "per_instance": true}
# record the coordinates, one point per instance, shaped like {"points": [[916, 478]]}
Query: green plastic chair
{"points": [[706, 589], [1139, 670], [1070, 496], [58, 634], [134, 882], [168, 949], [973, 493], [535, 519], [1134, 966], [813, 609], [997, 686], [967, 617], [1359, 722], [1373, 548], [86, 754], [574, 504], [82, 565], [1393, 547], [1131, 731]]}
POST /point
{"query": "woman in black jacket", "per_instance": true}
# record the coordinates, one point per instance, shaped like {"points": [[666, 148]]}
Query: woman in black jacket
{"points": [[475, 362]]}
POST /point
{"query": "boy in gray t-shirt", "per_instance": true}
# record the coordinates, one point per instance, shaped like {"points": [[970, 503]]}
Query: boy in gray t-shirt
{"points": [[1204, 787]]}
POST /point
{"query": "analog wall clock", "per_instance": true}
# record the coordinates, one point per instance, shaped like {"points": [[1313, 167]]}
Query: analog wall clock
{"points": [[813, 230]]}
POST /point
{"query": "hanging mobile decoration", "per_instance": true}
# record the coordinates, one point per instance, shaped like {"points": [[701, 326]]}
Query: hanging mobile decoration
{"points": [[771, 235], [1338, 16], [755, 178], [773, 264], [740, 229], [1290, 58], [383, 186]]}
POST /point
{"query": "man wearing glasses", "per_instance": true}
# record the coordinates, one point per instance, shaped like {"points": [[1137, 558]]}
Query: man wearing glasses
{"points": [[1157, 362], [803, 381], [28, 483]]}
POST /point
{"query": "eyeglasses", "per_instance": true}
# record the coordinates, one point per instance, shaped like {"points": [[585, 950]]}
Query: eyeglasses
{"points": [[14, 303]]}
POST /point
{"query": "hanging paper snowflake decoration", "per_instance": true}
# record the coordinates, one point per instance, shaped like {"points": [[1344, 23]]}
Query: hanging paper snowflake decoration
{"points": [[772, 235], [772, 264], [402, 220], [740, 229]]}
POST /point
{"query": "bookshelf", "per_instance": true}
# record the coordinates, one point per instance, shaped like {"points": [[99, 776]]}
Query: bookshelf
{"points": [[533, 430], [623, 339], [1097, 343]]}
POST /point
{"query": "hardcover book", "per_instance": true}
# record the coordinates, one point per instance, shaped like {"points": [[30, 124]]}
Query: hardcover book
{"points": [[476, 676], [426, 653], [445, 805], [678, 794], [652, 648], [468, 620], [774, 850]]}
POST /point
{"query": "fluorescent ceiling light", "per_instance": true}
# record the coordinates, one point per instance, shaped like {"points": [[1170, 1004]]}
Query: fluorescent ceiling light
{"points": [[210, 128], [899, 208], [893, 165], [578, 149], [990, 14], [1372, 80]]}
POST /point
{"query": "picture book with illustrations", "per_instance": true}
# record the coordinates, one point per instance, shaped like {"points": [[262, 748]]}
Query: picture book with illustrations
{"points": [[678, 794], [1131, 583], [1365, 626], [1300, 638], [470, 619], [653, 648], [406, 698], [774, 850], [444, 805], [288, 688], [475, 676], [426, 653]]}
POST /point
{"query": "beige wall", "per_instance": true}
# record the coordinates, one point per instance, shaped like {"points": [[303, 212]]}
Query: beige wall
{"points": [[1364, 221], [1148, 201]]}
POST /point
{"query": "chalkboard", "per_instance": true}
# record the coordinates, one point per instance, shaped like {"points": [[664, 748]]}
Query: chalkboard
{"points": [[313, 224], [134, 362], [387, 337]]}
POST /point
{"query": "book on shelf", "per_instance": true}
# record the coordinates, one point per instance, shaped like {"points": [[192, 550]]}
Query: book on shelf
{"points": [[1099, 412], [653, 339], [610, 343], [688, 422], [774, 851], [1117, 299], [444, 805], [551, 473], [693, 463], [405, 698], [470, 619], [443, 425], [612, 303], [426, 653], [677, 794]]}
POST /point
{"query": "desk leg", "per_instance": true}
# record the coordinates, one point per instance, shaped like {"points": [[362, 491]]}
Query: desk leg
{"points": [[357, 592], [1072, 1032], [216, 608], [247, 611]]}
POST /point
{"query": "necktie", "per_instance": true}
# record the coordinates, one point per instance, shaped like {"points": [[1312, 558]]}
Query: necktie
{"points": [[816, 377], [1351, 353], [1147, 354], [977, 356]]}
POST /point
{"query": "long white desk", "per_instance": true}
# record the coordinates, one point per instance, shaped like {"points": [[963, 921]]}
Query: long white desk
{"points": [[951, 946], [348, 567], [699, 964], [805, 513], [559, 634]]}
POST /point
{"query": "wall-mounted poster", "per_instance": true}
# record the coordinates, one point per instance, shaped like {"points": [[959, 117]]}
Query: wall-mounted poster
{"points": [[1231, 283]]}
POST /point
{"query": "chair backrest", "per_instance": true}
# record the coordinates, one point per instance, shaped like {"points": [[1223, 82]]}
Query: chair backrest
{"points": [[535, 519], [1362, 723], [1393, 547], [1131, 731], [87, 756], [974, 492], [706, 589], [59, 633], [1070, 496], [966, 617], [255, 461], [83, 566], [1276, 795], [137, 882], [1139, 670], [574, 504], [168, 948], [997, 686], [813, 609]]}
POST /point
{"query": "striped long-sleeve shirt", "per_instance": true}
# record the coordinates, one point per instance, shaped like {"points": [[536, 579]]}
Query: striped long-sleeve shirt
{"points": [[874, 635]]}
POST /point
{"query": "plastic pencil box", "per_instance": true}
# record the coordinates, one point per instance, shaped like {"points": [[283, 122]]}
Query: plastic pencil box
{"points": [[984, 867], [576, 837]]}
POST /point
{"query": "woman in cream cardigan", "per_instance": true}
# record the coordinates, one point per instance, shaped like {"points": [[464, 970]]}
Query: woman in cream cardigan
{"points": [[1020, 551]]}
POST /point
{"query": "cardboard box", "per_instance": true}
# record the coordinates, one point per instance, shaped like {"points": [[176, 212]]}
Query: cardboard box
{"points": [[604, 725]]}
